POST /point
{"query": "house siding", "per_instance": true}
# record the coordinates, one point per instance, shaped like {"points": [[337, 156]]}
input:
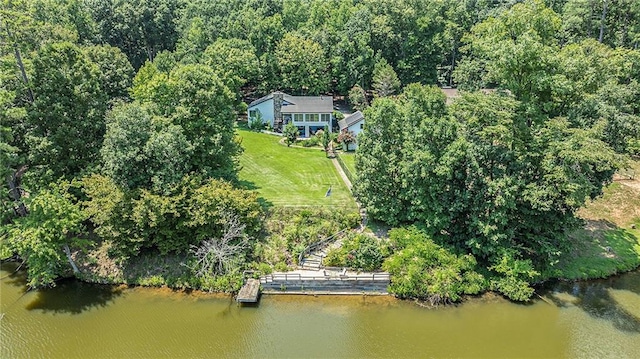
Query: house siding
{"points": [[266, 109], [355, 128]]}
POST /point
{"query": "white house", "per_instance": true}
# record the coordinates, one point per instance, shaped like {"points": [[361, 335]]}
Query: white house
{"points": [[308, 113], [353, 123]]}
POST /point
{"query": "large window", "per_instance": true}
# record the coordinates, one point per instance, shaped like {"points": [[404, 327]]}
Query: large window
{"points": [[313, 117], [325, 117], [298, 117], [253, 113]]}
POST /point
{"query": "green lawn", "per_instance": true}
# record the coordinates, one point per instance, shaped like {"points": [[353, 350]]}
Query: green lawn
{"points": [[349, 159], [290, 176], [608, 244]]}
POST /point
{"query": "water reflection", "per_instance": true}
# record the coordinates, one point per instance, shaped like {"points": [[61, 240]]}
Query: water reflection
{"points": [[595, 298], [74, 297]]}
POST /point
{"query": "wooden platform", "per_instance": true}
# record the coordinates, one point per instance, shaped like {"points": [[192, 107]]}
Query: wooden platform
{"points": [[249, 292]]}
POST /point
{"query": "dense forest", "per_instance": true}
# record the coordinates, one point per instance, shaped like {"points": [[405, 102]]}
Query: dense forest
{"points": [[118, 125]]}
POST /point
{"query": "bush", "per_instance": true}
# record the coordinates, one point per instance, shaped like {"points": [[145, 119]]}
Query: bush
{"points": [[421, 269], [513, 277], [256, 124], [311, 142], [358, 251]]}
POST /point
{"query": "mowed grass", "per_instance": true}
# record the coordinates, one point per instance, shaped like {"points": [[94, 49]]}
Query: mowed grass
{"points": [[349, 159], [286, 176]]}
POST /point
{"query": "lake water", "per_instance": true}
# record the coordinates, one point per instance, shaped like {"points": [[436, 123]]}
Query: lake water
{"points": [[596, 319]]}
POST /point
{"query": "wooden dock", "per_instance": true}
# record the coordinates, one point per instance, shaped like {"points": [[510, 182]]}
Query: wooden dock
{"points": [[249, 292]]}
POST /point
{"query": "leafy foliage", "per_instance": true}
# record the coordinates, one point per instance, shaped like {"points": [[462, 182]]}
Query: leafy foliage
{"points": [[424, 270], [358, 251], [302, 64], [290, 134], [66, 123], [192, 212], [54, 223], [385, 80]]}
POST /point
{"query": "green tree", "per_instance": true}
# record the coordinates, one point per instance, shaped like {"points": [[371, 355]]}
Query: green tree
{"points": [[66, 123], [142, 151], [195, 98], [302, 65], [358, 98], [385, 80], [117, 72], [379, 187], [43, 238], [290, 133], [235, 60]]}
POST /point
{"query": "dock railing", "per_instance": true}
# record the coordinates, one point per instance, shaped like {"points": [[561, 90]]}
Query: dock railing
{"points": [[382, 276]]}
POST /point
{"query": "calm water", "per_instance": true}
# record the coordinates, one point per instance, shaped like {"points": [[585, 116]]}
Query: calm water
{"points": [[597, 320]]}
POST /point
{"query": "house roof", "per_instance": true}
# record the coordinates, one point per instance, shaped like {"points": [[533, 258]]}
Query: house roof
{"points": [[350, 120], [307, 104], [300, 104]]}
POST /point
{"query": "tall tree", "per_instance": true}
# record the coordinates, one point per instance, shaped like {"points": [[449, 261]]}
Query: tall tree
{"points": [[141, 151], [195, 98], [66, 124], [302, 64], [385, 80]]}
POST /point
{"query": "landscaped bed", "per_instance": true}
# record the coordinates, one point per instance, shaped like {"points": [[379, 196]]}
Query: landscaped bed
{"points": [[290, 176]]}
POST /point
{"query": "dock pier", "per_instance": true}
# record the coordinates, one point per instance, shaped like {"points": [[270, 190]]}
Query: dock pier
{"points": [[249, 292]]}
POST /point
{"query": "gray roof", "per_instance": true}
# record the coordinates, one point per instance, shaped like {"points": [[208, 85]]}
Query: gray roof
{"points": [[301, 104], [261, 99], [350, 120], [308, 104]]}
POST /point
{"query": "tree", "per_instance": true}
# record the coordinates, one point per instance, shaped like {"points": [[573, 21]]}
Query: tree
{"points": [[140, 28], [290, 134], [65, 125], [378, 162], [43, 238], [346, 138], [385, 80], [142, 151], [219, 256], [302, 65], [117, 72], [195, 98], [325, 139], [358, 98], [235, 60]]}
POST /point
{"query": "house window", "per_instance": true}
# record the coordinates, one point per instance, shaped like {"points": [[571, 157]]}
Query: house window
{"points": [[253, 113], [325, 117], [298, 117], [361, 126], [313, 117]]}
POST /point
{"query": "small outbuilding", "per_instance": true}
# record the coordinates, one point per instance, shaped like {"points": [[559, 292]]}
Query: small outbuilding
{"points": [[352, 123]]}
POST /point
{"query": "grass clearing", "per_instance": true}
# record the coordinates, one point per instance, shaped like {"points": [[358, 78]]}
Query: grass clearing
{"points": [[607, 244], [349, 159], [290, 176]]}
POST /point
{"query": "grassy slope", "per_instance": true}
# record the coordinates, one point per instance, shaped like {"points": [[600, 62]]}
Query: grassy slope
{"points": [[607, 244], [290, 176], [349, 159]]}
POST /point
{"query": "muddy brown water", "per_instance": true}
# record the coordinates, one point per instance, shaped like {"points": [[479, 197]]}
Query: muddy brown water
{"points": [[595, 319]]}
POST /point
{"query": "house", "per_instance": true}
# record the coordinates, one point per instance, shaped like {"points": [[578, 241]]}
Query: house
{"points": [[308, 113], [353, 123]]}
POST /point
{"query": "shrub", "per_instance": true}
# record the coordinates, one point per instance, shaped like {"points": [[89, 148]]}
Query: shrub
{"points": [[358, 251], [513, 277], [424, 270]]}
